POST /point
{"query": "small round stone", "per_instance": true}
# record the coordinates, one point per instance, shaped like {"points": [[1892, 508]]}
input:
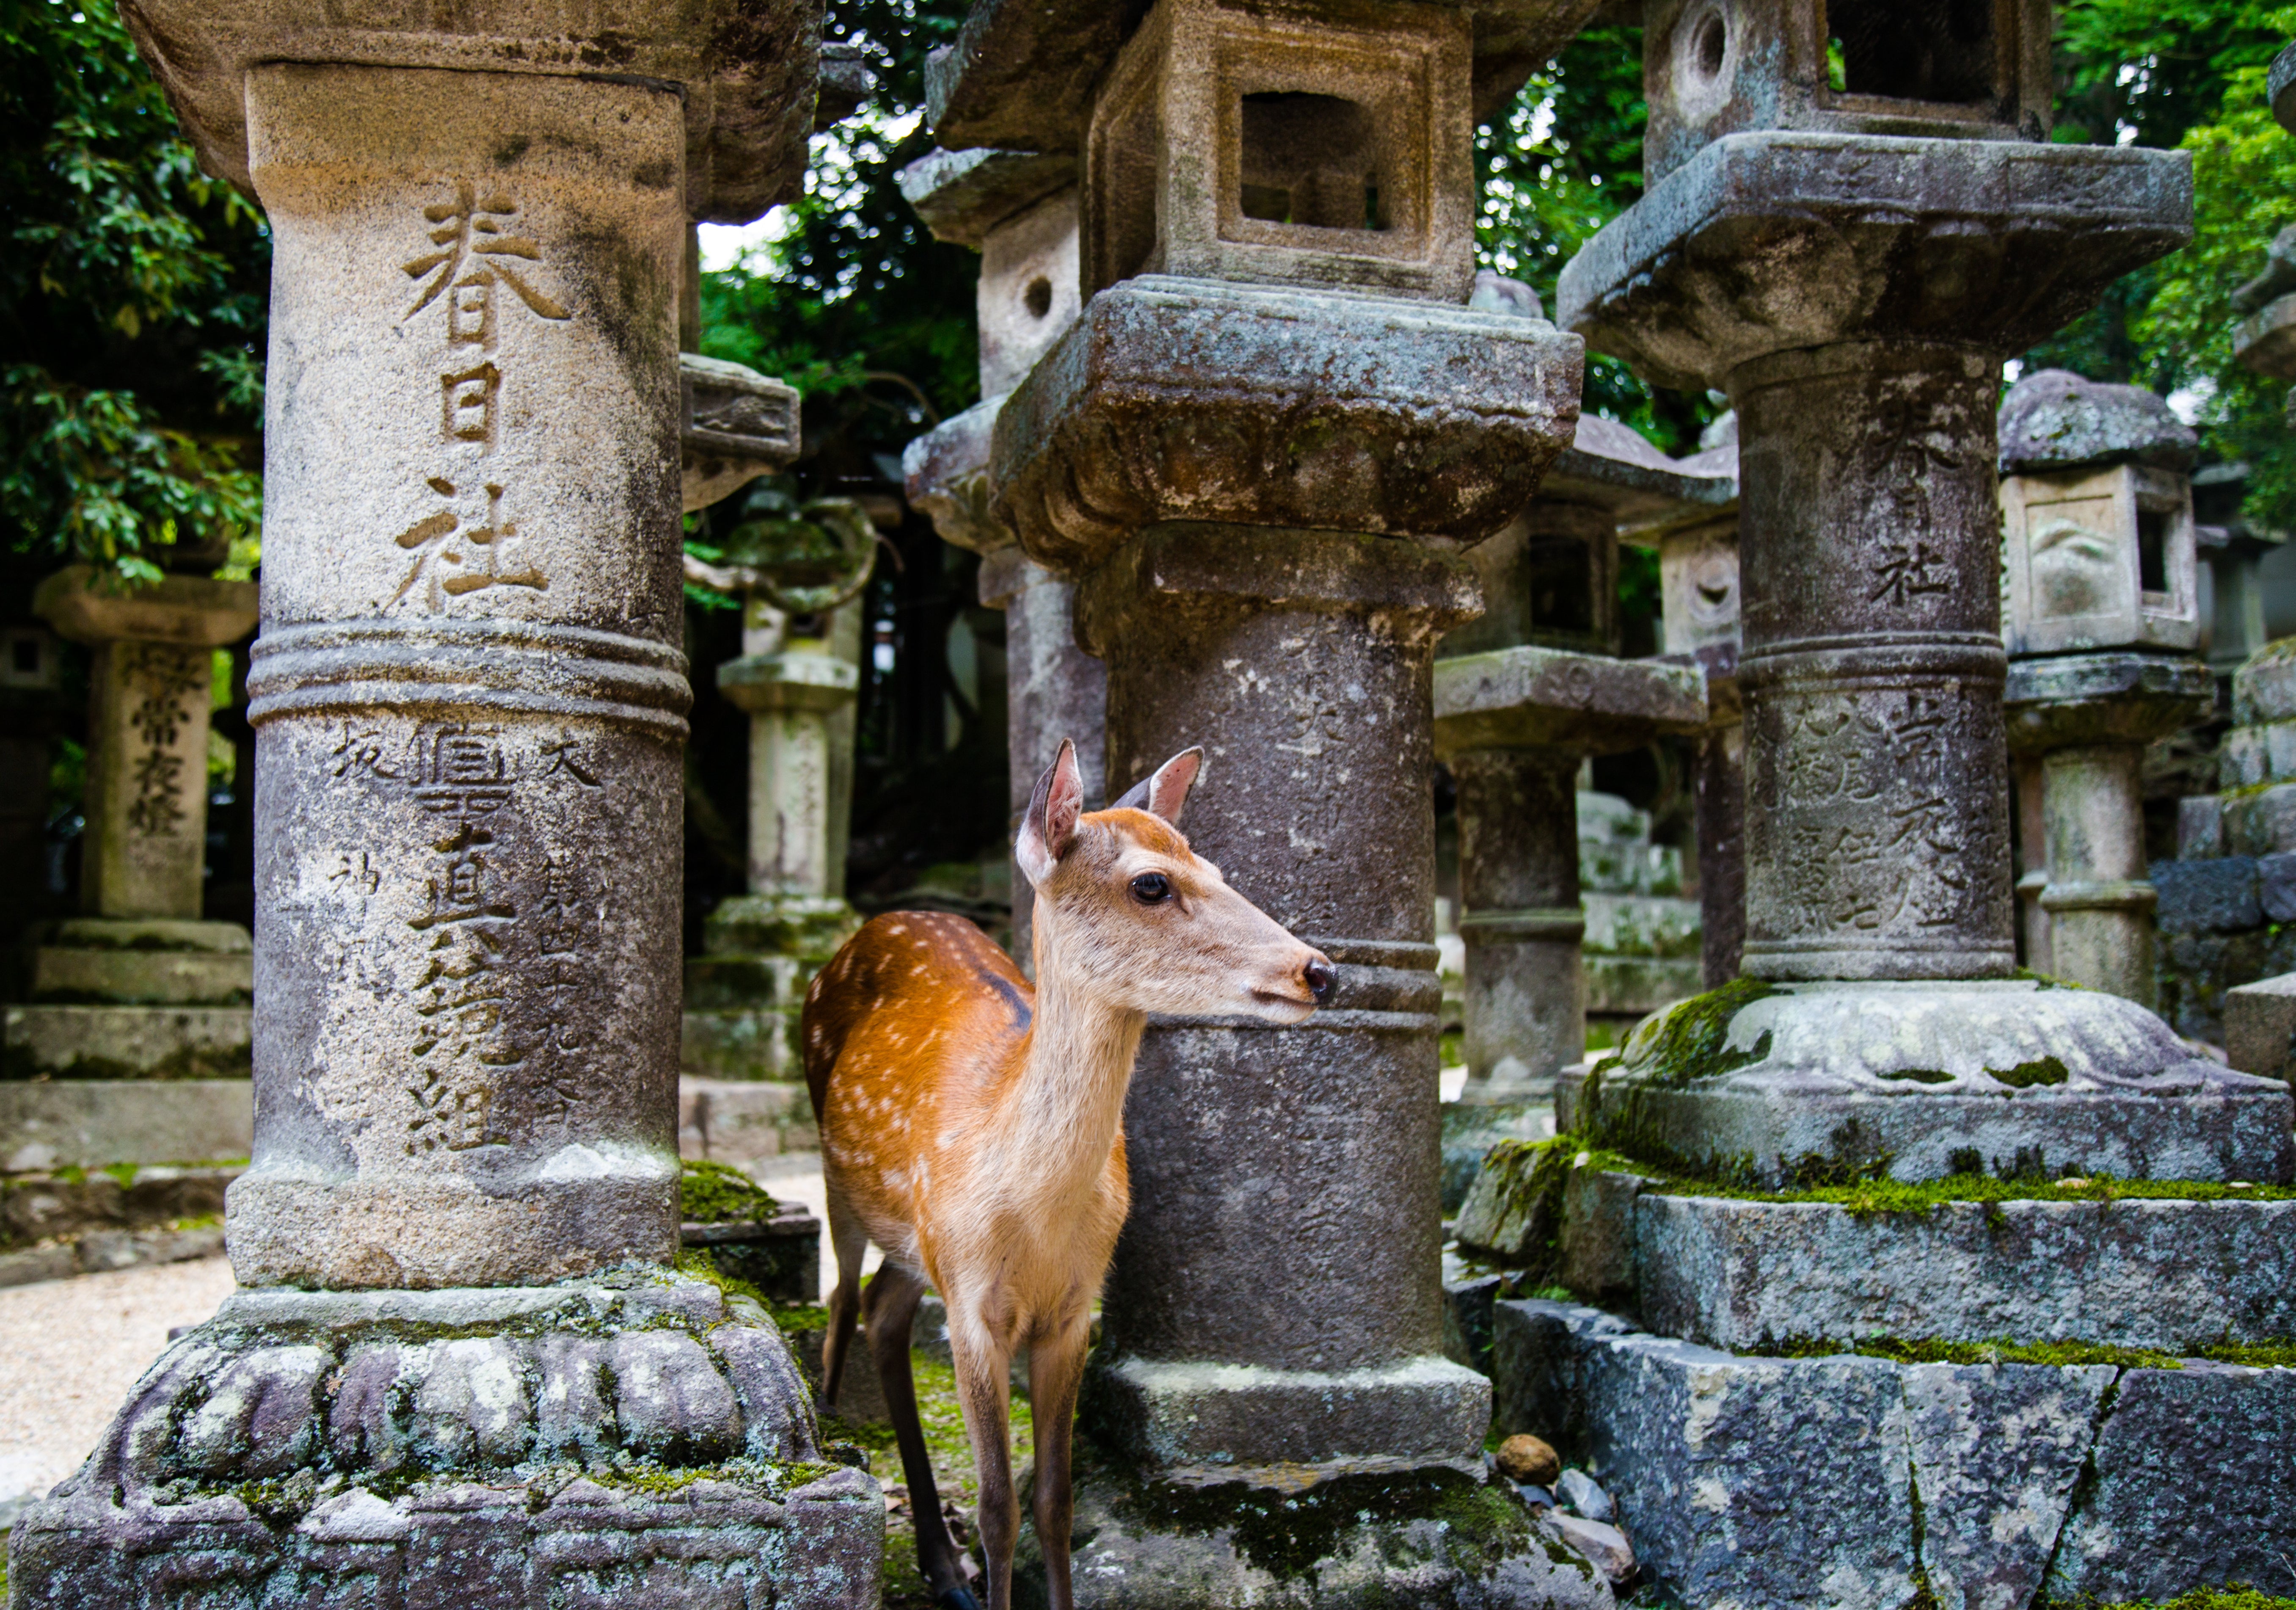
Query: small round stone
{"points": [[1526, 1459]]}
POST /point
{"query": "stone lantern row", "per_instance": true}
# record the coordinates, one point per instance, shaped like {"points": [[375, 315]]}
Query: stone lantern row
{"points": [[1251, 458]]}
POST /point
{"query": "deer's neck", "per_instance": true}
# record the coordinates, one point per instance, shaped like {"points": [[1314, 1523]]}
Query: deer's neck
{"points": [[1063, 1112]]}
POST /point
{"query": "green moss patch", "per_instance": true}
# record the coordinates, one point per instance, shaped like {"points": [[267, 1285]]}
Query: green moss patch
{"points": [[2234, 1597], [711, 1193], [1689, 1044], [2004, 1351], [2026, 1075], [1288, 1534]]}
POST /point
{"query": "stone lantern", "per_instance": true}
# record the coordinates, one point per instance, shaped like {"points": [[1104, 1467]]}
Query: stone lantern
{"points": [[1715, 67], [460, 1365], [1856, 290], [1019, 211], [1258, 450], [1523, 696], [2100, 581]]}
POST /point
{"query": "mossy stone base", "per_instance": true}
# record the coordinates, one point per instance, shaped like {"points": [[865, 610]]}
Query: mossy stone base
{"points": [[808, 928], [1800, 1083], [633, 1438], [1425, 1537], [1471, 1129]]}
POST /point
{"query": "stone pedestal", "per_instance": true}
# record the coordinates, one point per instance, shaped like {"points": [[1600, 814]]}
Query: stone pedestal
{"points": [[1271, 1318], [2087, 717], [138, 987], [460, 1368], [1515, 726]]}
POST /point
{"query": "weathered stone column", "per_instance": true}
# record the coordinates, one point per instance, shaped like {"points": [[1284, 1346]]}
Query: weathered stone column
{"points": [[1522, 697], [141, 947], [1020, 210], [469, 700], [1809, 272], [1698, 580], [1259, 483], [2102, 592]]}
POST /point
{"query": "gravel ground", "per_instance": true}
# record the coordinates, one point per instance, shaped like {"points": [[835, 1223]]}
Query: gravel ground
{"points": [[72, 1349]]}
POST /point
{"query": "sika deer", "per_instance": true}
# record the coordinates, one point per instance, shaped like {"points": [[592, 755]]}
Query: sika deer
{"points": [[971, 1125]]}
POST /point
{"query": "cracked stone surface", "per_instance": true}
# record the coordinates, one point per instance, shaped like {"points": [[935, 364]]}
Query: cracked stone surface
{"points": [[1747, 1481]]}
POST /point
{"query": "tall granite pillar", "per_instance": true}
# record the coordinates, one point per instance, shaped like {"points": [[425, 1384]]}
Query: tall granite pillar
{"points": [[1020, 210], [460, 1364], [1878, 906], [2103, 613], [1256, 448]]}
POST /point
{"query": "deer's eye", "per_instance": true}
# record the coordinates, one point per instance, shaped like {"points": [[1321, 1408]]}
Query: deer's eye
{"points": [[1150, 887]]}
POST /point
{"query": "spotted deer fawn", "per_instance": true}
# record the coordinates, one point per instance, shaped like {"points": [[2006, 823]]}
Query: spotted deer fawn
{"points": [[971, 1125]]}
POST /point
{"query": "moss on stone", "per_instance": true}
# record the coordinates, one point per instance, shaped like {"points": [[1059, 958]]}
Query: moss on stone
{"points": [[2026, 1075], [2234, 1597], [1287, 1534], [1689, 1044], [711, 1193], [2063, 1355]]}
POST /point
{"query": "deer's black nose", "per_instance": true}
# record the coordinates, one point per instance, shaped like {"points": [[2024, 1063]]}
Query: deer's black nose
{"points": [[1320, 978]]}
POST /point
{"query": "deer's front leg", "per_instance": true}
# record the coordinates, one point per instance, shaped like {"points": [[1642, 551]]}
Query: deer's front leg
{"points": [[1055, 1366], [984, 1381]]}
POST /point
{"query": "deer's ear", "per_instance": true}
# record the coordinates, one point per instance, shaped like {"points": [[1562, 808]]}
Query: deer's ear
{"points": [[1166, 790], [1049, 828]]}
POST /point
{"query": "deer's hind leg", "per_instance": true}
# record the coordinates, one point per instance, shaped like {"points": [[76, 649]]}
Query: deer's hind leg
{"points": [[891, 1309], [849, 1240]]}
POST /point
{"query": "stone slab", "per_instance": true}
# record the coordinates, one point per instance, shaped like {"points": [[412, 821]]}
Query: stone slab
{"points": [[747, 76], [1771, 240], [2264, 753], [488, 1449], [1926, 1081], [2214, 896], [91, 1123], [2264, 686], [1785, 1482], [961, 195], [1545, 697], [116, 977], [2260, 821], [85, 1045], [105, 1250], [1188, 398], [2169, 1275], [743, 1120], [1435, 1538], [2260, 1026], [1631, 986], [2121, 697], [1183, 1415], [40, 1207], [2265, 339]]}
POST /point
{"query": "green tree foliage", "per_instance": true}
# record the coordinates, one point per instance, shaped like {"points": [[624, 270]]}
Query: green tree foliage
{"points": [[132, 305], [2190, 74], [1566, 159], [855, 303]]}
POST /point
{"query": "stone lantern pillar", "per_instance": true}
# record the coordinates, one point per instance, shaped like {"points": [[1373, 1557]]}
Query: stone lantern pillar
{"points": [[1272, 425], [1020, 211], [153, 987], [460, 1365], [2102, 587], [1698, 584], [1522, 697], [1852, 217], [1852, 292]]}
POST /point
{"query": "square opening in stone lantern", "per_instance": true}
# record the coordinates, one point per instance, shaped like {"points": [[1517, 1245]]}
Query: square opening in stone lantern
{"points": [[2100, 559], [1323, 145], [1967, 68]]}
